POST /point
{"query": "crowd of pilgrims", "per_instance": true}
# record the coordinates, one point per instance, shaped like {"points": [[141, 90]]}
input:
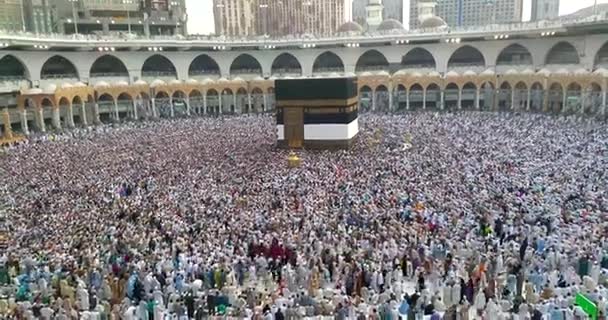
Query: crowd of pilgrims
{"points": [[487, 216]]}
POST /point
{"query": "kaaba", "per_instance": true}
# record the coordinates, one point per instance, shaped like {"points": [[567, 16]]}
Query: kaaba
{"points": [[317, 113]]}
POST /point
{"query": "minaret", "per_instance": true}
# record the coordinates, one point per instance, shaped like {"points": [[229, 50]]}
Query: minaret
{"points": [[426, 9], [374, 10]]}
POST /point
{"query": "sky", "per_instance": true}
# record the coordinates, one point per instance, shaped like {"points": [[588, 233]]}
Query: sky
{"points": [[200, 13]]}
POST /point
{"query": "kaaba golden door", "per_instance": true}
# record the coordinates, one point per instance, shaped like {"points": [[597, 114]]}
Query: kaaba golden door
{"points": [[293, 118]]}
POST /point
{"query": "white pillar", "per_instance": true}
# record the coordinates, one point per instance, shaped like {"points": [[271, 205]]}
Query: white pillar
{"points": [[205, 104], [459, 99], [236, 106], [116, 115], [512, 99], [24, 127], [219, 97], [390, 100], [424, 99], [373, 101], [188, 106], [83, 114], [582, 108], [265, 103], [564, 101], [603, 110], [56, 118], [529, 101], [97, 117], [442, 97], [477, 98], [41, 124], [154, 112], [70, 120], [172, 108], [249, 103], [135, 115], [407, 100]]}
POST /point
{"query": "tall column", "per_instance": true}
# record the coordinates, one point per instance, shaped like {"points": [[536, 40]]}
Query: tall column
{"points": [[582, 108], [603, 110], [56, 118], [205, 104], [172, 107], [236, 106], [135, 114], [390, 99], [442, 98], [83, 114], [219, 97], [41, 124], [407, 100], [477, 99], [188, 112], [373, 101], [265, 102], [512, 99], [250, 107], [459, 99], [564, 101], [70, 119], [529, 101], [24, 126], [97, 119], [424, 99], [154, 111], [116, 115]]}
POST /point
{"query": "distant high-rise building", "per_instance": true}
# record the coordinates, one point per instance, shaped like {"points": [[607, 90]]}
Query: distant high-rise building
{"points": [[471, 12], [393, 9], [544, 9], [40, 16], [374, 11], [11, 15], [359, 13], [148, 17], [278, 18]]}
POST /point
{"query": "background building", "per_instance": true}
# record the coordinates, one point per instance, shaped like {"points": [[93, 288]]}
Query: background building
{"points": [[149, 17], [544, 9], [278, 18], [393, 9], [40, 16], [471, 12], [11, 15]]}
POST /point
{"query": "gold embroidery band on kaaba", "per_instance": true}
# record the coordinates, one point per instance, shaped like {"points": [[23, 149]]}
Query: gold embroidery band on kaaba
{"points": [[320, 103]]}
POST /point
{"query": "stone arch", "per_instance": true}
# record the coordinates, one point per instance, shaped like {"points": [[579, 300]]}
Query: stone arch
{"points": [[286, 64], [11, 67], [245, 64], [108, 66], [105, 103], [213, 101], [163, 104], [433, 96], [574, 95], [158, 66], [179, 99], [562, 53], [514, 54], [592, 99], [78, 107], [197, 102], [242, 101], [466, 56], [365, 98], [381, 94], [124, 102], [58, 66], [371, 60], [203, 65], [505, 92], [451, 96], [400, 97], [328, 62], [257, 100], [601, 57], [416, 96], [487, 96], [468, 95], [556, 98], [418, 58], [521, 96], [537, 97]]}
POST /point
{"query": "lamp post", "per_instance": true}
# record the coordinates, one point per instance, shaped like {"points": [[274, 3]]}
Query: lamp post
{"points": [[74, 15], [124, 3]]}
